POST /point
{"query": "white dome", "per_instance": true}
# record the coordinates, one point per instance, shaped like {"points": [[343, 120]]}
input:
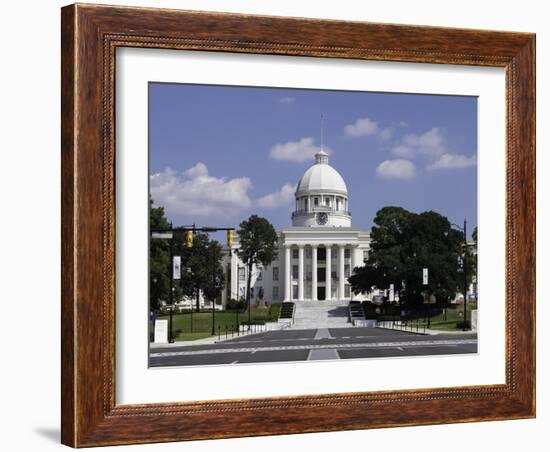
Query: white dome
{"points": [[321, 177]]}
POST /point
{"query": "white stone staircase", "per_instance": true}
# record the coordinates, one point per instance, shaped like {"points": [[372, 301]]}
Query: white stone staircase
{"points": [[321, 314]]}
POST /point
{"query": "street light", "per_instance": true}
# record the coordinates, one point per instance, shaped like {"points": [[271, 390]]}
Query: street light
{"points": [[464, 252]]}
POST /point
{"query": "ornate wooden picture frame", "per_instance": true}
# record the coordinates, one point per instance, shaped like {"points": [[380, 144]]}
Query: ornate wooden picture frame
{"points": [[90, 37]]}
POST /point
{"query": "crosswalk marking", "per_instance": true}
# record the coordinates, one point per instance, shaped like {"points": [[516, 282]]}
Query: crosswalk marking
{"points": [[395, 344]]}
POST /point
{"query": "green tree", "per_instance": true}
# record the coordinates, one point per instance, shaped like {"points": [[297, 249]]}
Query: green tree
{"points": [[403, 243], [384, 263], [159, 258], [257, 246], [202, 271]]}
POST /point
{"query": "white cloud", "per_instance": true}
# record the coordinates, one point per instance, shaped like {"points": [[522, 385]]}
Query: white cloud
{"points": [[297, 151], [431, 144], [197, 194], [287, 100], [279, 198], [403, 151], [452, 161], [396, 169], [386, 134], [363, 127]]}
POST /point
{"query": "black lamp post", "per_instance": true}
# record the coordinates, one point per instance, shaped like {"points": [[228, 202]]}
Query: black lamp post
{"points": [[464, 253], [213, 300]]}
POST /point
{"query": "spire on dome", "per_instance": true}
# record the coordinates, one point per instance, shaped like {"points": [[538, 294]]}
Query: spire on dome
{"points": [[322, 131], [321, 156]]}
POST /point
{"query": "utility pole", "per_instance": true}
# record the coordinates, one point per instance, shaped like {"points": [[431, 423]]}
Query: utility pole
{"points": [[171, 334], [465, 252], [465, 274]]}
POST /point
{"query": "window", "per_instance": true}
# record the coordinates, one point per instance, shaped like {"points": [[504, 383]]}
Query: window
{"points": [[308, 272], [305, 203], [365, 255], [347, 253], [260, 274], [294, 253], [346, 271], [327, 201], [295, 272], [275, 273], [308, 252], [316, 201], [294, 292], [241, 273], [275, 293], [337, 203]]}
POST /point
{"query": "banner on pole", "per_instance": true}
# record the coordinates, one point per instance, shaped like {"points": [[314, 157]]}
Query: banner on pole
{"points": [[425, 276], [177, 267]]}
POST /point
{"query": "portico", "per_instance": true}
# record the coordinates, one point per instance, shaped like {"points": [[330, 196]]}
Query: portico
{"points": [[318, 271]]}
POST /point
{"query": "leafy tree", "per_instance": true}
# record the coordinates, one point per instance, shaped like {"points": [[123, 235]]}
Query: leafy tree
{"points": [[159, 258], [403, 243], [258, 242], [202, 271]]}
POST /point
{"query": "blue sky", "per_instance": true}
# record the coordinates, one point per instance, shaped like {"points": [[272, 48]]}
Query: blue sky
{"points": [[218, 154]]}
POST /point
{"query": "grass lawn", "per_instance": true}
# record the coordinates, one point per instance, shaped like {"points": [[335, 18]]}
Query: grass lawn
{"points": [[189, 326], [454, 315]]}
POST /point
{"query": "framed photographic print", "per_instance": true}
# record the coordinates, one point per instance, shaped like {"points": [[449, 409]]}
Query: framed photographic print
{"points": [[282, 225]]}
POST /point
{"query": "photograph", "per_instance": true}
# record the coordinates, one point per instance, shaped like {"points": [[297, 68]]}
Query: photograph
{"points": [[294, 225]]}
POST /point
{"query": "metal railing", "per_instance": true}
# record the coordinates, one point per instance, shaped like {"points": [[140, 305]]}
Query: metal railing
{"points": [[297, 213], [411, 326]]}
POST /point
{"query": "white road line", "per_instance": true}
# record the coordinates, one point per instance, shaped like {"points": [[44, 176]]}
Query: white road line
{"points": [[406, 344]]}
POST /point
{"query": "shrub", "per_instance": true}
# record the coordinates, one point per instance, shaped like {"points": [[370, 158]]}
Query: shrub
{"points": [[460, 325], [236, 305]]}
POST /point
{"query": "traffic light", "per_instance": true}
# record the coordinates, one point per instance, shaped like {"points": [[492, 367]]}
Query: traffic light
{"points": [[189, 239], [230, 238]]}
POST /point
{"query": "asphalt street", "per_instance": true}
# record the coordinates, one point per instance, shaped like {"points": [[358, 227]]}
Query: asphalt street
{"points": [[313, 344]]}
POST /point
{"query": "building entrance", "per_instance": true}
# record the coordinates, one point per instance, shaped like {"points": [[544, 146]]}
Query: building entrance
{"points": [[321, 293]]}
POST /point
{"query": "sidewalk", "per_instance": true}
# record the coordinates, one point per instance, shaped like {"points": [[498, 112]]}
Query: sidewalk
{"points": [[205, 341]]}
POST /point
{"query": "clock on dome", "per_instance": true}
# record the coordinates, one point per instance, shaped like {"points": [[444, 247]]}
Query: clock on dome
{"points": [[322, 218]]}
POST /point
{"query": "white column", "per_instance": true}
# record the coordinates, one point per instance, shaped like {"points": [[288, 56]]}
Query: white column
{"points": [[234, 289], [341, 278], [287, 273], [328, 276], [353, 264], [314, 272], [301, 272]]}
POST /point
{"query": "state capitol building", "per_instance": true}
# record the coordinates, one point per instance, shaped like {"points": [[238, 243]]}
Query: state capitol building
{"points": [[316, 254]]}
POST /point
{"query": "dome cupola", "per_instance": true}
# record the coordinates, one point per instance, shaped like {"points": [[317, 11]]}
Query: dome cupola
{"points": [[321, 197]]}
